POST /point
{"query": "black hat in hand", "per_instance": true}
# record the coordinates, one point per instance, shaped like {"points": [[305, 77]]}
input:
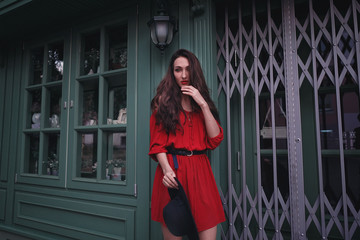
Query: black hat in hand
{"points": [[177, 214]]}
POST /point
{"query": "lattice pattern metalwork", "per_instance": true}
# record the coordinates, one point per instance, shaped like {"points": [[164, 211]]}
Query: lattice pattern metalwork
{"points": [[332, 60], [251, 67]]}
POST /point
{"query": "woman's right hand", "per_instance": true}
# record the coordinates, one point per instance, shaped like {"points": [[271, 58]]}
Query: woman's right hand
{"points": [[169, 174], [169, 179]]}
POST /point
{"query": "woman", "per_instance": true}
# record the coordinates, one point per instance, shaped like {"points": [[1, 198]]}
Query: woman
{"points": [[184, 124]]}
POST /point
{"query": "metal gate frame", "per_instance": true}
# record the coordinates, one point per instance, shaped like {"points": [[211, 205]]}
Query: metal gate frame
{"points": [[297, 211]]}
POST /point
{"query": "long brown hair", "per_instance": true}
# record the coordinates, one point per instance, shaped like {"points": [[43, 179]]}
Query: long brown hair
{"points": [[167, 102]]}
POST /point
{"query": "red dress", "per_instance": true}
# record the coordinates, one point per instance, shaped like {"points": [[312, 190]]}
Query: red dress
{"points": [[194, 172]]}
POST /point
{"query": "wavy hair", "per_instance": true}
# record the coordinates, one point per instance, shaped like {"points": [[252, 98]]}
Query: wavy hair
{"points": [[167, 102]]}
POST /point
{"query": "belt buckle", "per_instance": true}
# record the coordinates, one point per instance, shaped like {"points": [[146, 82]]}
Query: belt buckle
{"points": [[191, 153]]}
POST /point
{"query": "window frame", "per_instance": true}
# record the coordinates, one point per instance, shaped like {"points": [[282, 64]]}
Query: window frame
{"points": [[70, 87], [103, 185], [40, 179]]}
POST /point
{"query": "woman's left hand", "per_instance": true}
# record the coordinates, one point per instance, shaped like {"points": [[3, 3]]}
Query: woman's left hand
{"points": [[212, 127], [195, 94]]}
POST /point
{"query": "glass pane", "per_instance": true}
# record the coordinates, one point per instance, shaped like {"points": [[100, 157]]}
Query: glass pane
{"points": [[115, 165], [87, 167], [91, 53], [32, 141], [36, 66], [55, 61], [90, 107], [351, 120], [352, 165], [332, 179], [266, 126], [35, 109], [267, 175], [54, 107], [117, 47], [117, 100], [328, 121], [51, 161]]}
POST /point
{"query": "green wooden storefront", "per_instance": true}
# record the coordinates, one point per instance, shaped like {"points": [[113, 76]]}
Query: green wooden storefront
{"points": [[76, 80]]}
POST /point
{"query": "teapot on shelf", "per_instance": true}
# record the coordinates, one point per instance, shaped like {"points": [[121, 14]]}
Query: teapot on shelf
{"points": [[54, 121], [35, 120]]}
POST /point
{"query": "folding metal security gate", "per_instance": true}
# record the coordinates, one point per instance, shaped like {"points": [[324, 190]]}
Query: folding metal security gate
{"points": [[288, 88]]}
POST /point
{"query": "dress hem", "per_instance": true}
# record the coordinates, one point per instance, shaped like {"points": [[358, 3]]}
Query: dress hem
{"points": [[199, 229]]}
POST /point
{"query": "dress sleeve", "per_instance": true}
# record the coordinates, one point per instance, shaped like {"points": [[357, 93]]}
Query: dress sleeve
{"points": [[212, 143], [158, 138]]}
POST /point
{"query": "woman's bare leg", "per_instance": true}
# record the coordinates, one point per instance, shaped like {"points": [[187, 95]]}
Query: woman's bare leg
{"points": [[168, 235], [208, 234]]}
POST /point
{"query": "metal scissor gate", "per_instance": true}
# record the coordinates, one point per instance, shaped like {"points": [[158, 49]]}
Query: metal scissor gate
{"points": [[288, 88]]}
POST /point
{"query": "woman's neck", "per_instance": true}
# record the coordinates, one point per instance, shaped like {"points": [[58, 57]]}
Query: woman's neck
{"points": [[186, 103]]}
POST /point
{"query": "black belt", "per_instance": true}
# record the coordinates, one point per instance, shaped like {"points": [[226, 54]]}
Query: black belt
{"points": [[183, 152]]}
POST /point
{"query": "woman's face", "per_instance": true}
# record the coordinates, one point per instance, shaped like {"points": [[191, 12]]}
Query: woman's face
{"points": [[182, 71]]}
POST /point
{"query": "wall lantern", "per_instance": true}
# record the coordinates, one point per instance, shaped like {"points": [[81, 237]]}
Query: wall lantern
{"points": [[162, 29]]}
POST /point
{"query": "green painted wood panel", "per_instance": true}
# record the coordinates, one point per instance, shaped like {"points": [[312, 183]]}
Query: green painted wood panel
{"points": [[2, 204], [7, 131], [142, 135], [3, 67], [14, 126], [79, 219]]}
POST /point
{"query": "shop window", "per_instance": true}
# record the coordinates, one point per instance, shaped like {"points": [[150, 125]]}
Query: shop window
{"points": [[76, 106], [101, 122], [43, 97]]}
